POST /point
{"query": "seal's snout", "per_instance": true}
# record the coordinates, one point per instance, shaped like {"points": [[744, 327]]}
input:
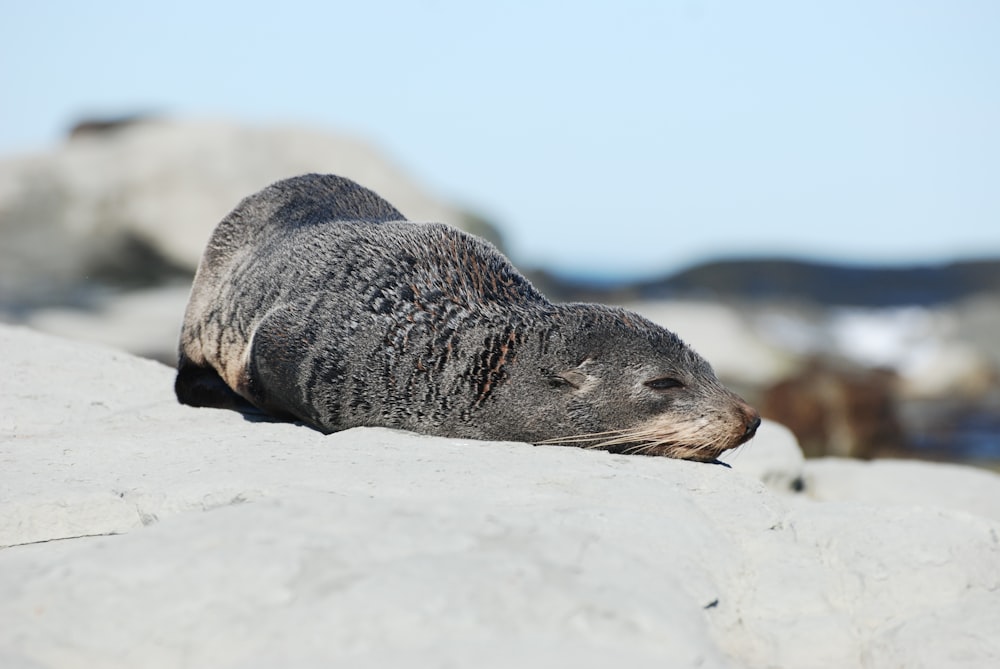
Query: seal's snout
{"points": [[751, 421]]}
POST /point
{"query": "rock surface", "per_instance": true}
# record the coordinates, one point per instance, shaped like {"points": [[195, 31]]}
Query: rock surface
{"points": [[139, 532]]}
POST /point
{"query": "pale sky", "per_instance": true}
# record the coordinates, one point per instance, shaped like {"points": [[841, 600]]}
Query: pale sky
{"points": [[613, 137]]}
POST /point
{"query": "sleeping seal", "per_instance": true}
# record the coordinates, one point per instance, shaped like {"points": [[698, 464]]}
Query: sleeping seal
{"points": [[317, 301]]}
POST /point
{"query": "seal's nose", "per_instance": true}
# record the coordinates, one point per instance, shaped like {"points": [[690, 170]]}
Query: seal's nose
{"points": [[745, 415], [751, 421]]}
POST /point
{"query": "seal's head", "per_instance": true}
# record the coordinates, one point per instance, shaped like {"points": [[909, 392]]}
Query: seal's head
{"points": [[620, 383]]}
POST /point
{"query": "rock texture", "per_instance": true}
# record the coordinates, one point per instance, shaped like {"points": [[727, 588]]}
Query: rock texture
{"points": [[139, 532]]}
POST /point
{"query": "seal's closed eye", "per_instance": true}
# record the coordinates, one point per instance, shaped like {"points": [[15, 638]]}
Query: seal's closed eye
{"points": [[665, 383]]}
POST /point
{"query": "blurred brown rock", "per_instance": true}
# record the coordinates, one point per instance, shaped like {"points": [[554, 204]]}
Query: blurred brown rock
{"points": [[838, 409]]}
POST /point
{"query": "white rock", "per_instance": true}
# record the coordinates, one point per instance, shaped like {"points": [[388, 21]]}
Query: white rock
{"points": [[237, 543], [773, 457], [951, 369], [906, 483], [144, 322]]}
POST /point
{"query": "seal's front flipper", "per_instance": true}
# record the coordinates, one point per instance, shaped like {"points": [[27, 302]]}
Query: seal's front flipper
{"points": [[276, 374], [203, 387]]}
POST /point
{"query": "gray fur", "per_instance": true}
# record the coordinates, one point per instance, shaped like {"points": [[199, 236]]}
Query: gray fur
{"points": [[316, 301]]}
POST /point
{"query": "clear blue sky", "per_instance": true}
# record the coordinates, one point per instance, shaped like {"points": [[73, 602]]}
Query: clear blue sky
{"points": [[616, 136]]}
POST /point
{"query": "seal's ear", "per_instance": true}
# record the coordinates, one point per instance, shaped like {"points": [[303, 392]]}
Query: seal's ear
{"points": [[571, 377]]}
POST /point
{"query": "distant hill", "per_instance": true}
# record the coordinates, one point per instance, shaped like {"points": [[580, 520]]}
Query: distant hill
{"points": [[798, 280]]}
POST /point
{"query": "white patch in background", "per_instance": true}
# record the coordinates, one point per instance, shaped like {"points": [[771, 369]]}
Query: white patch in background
{"points": [[922, 345]]}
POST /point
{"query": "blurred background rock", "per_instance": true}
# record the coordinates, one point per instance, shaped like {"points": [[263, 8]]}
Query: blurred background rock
{"points": [[806, 196]]}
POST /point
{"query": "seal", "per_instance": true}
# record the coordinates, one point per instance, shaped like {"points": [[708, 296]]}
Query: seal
{"points": [[317, 301]]}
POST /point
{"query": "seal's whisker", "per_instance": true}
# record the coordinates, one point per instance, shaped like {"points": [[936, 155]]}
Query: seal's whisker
{"points": [[648, 440], [656, 447], [626, 438], [692, 441], [576, 438], [638, 449], [637, 439]]}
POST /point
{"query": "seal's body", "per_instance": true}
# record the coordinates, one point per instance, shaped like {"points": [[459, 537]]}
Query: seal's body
{"points": [[317, 301]]}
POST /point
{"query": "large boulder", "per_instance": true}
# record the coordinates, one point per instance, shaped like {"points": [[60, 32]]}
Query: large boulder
{"points": [[131, 204], [139, 532]]}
